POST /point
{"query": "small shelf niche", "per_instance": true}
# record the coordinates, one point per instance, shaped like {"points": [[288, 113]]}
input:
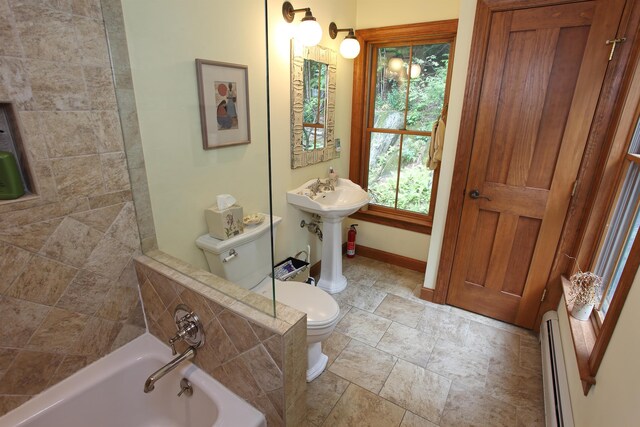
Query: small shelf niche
{"points": [[11, 141]]}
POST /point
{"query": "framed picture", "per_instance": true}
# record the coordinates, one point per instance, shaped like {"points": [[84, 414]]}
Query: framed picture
{"points": [[223, 90]]}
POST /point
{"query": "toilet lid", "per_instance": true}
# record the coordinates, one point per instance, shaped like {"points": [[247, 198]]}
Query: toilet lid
{"points": [[320, 307]]}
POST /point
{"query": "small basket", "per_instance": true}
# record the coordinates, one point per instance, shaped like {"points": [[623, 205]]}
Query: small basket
{"points": [[290, 267]]}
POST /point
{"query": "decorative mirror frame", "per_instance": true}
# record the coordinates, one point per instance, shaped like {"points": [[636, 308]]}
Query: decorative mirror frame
{"points": [[299, 156]]}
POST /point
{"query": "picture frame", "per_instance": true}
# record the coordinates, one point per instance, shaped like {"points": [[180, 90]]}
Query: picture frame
{"points": [[223, 93]]}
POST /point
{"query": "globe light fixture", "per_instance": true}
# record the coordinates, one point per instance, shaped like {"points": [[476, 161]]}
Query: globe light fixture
{"points": [[395, 64], [350, 47], [309, 32], [415, 70]]}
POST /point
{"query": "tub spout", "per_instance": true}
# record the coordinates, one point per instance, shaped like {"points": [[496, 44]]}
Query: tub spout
{"points": [[188, 354]]}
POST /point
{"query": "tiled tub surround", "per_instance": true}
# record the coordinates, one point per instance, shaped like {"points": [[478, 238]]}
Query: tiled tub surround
{"points": [[68, 289], [395, 360], [260, 358]]}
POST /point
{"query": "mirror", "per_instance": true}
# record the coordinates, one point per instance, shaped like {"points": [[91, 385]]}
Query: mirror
{"points": [[313, 98], [157, 94]]}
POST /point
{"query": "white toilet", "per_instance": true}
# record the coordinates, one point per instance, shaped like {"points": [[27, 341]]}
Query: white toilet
{"points": [[245, 260]]}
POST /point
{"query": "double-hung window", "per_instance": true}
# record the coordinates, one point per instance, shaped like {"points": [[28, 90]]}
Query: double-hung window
{"points": [[401, 87]]}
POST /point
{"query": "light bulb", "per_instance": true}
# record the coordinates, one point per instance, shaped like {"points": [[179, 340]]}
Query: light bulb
{"points": [[309, 32], [415, 70], [349, 48], [395, 64]]}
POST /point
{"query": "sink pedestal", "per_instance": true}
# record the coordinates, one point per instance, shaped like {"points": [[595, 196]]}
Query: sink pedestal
{"points": [[331, 278]]}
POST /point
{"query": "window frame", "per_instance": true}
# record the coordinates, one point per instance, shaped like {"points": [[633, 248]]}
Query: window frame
{"points": [[428, 32], [592, 337]]}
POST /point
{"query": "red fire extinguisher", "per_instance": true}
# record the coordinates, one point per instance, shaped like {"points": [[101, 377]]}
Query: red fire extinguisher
{"points": [[351, 241]]}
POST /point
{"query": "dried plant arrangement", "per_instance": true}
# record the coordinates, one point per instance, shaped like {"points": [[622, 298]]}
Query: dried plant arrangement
{"points": [[583, 293]]}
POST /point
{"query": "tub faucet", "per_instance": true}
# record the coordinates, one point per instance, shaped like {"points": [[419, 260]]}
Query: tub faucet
{"points": [[190, 330], [188, 354]]}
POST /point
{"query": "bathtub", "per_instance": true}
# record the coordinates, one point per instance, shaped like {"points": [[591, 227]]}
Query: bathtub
{"points": [[109, 393]]}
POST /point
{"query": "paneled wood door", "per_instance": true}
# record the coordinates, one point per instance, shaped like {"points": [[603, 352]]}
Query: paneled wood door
{"points": [[543, 71]]}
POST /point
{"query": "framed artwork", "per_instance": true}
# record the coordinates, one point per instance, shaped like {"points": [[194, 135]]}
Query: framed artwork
{"points": [[223, 91]]}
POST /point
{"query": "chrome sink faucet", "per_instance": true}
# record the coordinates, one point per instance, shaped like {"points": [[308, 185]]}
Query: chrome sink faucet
{"points": [[190, 330], [319, 187]]}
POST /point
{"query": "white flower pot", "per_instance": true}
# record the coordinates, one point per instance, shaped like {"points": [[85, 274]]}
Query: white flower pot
{"points": [[581, 312]]}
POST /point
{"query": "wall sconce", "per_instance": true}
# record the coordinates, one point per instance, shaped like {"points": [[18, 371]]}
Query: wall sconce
{"points": [[349, 48], [309, 31], [415, 71], [395, 64]]}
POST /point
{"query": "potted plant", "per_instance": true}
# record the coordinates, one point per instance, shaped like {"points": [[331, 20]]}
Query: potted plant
{"points": [[583, 293]]}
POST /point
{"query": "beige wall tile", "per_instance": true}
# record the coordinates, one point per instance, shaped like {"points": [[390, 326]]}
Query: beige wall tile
{"points": [[106, 128], [42, 213], [109, 199], [6, 358], [412, 420], [118, 303], [19, 320], [100, 93], [13, 260], [153, 305], [46, 34], [238, 330], [89, 8], [127, 334], [100, 219], [58, 332], [30, 372], [31, 236], [263, 368], [71, 243], [93, 49], [68, 133], [165, 287], [124, 228], [236, 376], [70, 365], [7, 403], [56, 86], [97, 338], [14, 82], [358, 406], [78, 176], [86, 293], [109, 258], [43, 281], [11, 45]]}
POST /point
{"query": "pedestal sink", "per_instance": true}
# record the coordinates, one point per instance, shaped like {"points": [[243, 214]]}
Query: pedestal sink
{"points": [[333, 204]]}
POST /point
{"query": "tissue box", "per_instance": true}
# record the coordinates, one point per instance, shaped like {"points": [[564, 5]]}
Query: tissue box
{"points": [[224, 223]]}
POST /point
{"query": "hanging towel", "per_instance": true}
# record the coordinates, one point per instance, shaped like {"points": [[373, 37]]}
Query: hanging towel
{"points": [[437, 141]]}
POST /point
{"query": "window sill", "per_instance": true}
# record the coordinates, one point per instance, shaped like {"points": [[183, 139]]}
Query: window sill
{"points": [[583, 334], [394, 220]]}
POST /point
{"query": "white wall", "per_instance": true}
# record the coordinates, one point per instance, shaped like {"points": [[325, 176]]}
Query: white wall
{"points": [[379, 13], [458, 84], [164, 38], [615, 399]]}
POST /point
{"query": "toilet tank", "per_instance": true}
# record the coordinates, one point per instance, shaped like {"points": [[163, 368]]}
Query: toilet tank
{"points": [[252, 260]]}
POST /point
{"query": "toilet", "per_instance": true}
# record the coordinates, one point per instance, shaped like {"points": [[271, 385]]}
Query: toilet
{"points": [[245, 260]]}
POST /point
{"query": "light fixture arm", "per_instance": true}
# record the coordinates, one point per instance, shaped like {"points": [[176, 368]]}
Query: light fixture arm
{"points": [[288, 12], [334, 30]]}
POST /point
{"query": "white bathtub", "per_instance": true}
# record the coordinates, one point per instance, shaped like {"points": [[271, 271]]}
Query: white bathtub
{"points": [[109, 393]]}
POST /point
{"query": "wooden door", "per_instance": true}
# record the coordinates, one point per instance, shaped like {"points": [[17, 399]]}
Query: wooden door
{"points": [[543, 72]]}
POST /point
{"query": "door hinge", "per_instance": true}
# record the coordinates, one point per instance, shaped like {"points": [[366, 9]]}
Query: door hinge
{"points": [[544, 294], [575, 186], [613, 44]]}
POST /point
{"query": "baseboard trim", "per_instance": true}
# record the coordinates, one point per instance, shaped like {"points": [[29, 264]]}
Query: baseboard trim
{"points": [[390, 258], [427, 294], [379, 255]]}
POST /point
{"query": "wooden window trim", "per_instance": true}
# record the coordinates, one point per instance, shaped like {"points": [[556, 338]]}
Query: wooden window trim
{"points": [[592, 337], [438, 31]]}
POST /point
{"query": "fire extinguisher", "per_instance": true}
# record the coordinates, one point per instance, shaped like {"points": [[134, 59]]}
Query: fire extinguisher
{"points": [[351, 241]]}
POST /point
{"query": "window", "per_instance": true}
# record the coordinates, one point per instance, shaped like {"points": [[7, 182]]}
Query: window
{"points": [[622, 226], [401, 85]]}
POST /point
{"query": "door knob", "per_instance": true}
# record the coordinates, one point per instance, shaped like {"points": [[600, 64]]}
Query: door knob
{"points": [[475, 194]]}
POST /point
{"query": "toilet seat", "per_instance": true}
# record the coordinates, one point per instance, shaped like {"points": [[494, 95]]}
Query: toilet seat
{"points": [[321, 308]]}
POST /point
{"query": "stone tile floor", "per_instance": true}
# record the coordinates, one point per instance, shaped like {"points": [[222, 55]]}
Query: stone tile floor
{"points": [[396, 360]]}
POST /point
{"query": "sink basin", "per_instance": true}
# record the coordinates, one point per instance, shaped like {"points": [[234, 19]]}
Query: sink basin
{"points": [[341, 202], [333, 205]]}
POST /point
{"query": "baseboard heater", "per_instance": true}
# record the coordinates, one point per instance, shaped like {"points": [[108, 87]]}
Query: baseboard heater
{"points": [[557, 402]]}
